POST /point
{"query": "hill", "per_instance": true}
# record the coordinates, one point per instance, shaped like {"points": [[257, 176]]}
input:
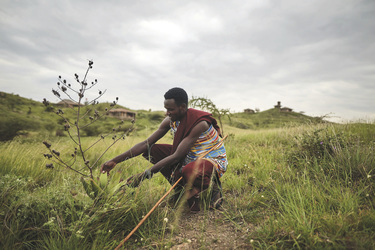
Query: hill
{"points": [[21, 116], [272, 118]]}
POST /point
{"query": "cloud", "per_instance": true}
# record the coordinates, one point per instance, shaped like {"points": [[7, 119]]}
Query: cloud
{"points": [[313, 56]]}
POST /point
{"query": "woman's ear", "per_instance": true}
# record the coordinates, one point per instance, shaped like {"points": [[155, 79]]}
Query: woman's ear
{"points": [[184, 106]]}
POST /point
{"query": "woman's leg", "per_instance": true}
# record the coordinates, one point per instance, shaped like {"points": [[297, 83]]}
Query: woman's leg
{"points": [[156, 153], [197, 178]]}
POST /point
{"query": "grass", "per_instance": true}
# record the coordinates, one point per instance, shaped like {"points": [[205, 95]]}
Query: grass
{"points": [[306, 186], [271, 118]]}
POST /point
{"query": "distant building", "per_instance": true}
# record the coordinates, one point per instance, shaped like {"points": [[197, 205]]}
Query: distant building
{"points": [[286, 109], [68, 103], [282, 109], [278, 105], [249, 111], [122, 114]]}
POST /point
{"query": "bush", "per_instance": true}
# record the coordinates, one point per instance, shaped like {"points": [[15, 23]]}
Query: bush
{"points": [[242, 125], [334, 151], [156, 117], [11, 125], [317, 145], [92, 130]]}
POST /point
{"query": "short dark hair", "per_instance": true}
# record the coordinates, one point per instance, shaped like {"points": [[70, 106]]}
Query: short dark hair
{"points": [[178, 94]]}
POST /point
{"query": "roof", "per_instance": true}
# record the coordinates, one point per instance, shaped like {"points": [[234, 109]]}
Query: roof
{"points": [[120, 110], [67, 102]]}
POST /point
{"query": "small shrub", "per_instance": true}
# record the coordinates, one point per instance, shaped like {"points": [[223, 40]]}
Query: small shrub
{"points": [[156, 117], [92, 130], [50, 126], [60, 133], [241, 125], [81, 123], [338, 154], [317, 145], [11, 125]]}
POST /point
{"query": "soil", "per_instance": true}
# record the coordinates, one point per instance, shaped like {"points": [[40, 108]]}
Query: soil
{"points": [[209, 230]]}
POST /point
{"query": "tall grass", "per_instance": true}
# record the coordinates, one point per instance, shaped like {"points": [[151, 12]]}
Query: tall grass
{"points": [[309, 186]]}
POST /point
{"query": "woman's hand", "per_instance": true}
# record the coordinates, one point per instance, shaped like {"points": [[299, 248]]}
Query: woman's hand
{"points": [[107, 166], [135, 180]]}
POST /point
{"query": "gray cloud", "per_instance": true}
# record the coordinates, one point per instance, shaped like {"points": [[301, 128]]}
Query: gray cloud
{"points": [[314, 56]]}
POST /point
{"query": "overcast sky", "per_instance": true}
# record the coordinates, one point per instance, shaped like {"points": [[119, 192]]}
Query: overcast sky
{"points": [[314, 56]]}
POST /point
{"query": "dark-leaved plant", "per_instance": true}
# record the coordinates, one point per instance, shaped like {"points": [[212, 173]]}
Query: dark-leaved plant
{"points": [[85, 115]]}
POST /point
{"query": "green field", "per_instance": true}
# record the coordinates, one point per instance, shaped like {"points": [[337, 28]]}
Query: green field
{"points": [[293, 182]]}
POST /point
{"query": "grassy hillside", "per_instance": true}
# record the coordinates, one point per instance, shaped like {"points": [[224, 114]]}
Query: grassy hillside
{"points": [[25, 117], [309, 186], [271, 118], [21, 116]]}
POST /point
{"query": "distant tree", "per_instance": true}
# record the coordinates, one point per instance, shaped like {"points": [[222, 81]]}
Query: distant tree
{"points": [[207, 105], [11, 126]]}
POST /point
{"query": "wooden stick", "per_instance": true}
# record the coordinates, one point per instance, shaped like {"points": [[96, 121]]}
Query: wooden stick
{"points": [[214, 147], [148, 214], [162, 198]]}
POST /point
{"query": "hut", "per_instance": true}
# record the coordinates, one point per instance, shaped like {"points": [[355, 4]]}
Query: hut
{"points": [[122, 114], [68, 103], [286, 109], [249, 111], [282, 109]]}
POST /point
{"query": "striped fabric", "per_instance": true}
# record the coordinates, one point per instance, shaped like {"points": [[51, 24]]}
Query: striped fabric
{"points": [[205, 142]]}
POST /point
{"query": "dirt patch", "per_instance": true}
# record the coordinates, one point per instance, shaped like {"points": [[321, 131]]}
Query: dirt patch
{"points": [[209, 230]]}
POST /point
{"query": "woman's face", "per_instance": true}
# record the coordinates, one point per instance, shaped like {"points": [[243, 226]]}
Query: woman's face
{"points": [[173, 111]]}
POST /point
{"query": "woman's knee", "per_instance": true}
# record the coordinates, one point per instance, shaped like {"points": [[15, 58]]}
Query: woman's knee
{"points": [[157, 152], [198, 173]]}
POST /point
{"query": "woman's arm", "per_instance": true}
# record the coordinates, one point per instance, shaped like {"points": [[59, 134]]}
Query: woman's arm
{"points": [[138, 148], [182, 149]]}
